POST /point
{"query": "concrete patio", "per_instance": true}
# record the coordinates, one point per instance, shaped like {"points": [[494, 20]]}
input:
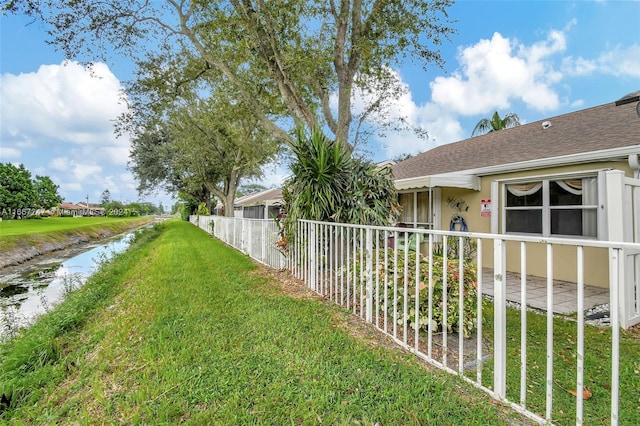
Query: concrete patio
{"points": [[565, 294]]}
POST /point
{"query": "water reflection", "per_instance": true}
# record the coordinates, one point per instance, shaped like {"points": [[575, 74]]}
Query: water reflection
{"points": [[25, 295]]}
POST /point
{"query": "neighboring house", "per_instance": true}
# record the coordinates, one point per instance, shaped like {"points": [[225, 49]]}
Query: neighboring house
{"points": [[261, 205], [70, 209], [574, 175], [91, 209]]}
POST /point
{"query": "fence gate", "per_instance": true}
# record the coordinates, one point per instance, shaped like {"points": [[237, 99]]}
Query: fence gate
{"points": [[631, 298]]}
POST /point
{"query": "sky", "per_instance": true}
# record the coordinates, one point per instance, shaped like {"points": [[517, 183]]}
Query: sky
{"points": [[538, 59]]}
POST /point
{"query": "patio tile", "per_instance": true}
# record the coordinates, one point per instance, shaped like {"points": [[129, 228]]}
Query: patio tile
{"points": [[565, 294]]}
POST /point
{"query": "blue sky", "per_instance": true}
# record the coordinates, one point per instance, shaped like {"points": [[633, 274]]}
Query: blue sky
{"points": [[538, 59]]}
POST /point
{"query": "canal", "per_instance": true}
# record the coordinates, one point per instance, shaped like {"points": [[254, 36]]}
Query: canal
{"points": [[37, 286]]}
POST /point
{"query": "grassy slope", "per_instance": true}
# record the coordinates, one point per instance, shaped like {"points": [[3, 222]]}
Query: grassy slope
{"points": [[52, 229], [186, 330]]}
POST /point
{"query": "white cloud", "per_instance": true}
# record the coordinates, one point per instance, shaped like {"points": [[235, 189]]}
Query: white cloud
{"points": [[71, 169], [62, 105], [618, 62], [622, 62], [578, 103], [495, 72], [7, 153]]}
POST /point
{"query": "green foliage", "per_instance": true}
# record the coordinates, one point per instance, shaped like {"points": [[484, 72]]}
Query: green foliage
{"points": [[185, 212], [20, 195], [203, 210], [105, 197], [16, 189], [285, 58], [328, 184], [496, 123], [47, 192], [469, 288]]}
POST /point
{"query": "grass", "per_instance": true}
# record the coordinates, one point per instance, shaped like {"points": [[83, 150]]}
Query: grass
{"points": [[597, 368], [32, 232], [57, 224], [184, 329]]}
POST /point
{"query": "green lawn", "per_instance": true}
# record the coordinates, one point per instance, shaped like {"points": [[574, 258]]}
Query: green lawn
{"points": [[26, 233], [597, 368], [54, 224], [184, 329]]}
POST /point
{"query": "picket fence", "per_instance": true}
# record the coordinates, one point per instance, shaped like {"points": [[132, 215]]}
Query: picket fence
{"points": [[363, 269]]}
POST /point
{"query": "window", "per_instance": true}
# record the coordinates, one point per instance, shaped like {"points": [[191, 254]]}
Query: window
{"points": [[406, 201], [416, 210], [567, 207]]}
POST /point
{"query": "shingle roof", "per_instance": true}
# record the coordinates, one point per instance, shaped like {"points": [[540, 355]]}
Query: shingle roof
{"points": [[599, 128]]}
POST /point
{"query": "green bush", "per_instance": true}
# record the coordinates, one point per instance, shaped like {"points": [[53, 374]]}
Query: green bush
{"points": [[470, 291], [469, 288], [203, 210]]}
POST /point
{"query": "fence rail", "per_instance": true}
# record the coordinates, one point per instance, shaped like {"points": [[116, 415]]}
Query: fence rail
{"points": [[425, 289], [255, 237]]}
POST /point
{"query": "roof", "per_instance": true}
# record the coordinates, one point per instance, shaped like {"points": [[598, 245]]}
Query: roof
{"points": [[69, 206], [270, 196], [597, 130]]}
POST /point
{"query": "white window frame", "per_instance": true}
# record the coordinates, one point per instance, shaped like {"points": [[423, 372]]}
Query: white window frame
{"points": [[500, 187]]}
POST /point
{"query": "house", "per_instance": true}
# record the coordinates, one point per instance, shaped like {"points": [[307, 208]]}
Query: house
{"points": [[69, 209], [91, 209], [576, 175], [261, 205]]}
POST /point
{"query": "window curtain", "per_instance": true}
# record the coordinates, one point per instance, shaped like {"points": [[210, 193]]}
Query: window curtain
{"points": [[588, 189], [590, 198], [522, 189]]}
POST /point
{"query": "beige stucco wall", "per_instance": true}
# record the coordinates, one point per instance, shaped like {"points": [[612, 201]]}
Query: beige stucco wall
{"points": [[564, 267]]}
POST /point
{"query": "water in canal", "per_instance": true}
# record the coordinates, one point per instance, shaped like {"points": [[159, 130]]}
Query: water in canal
{"points": [[33, 289]]}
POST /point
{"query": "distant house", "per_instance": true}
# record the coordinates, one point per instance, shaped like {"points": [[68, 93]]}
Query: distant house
{"points": [[576, 175], [91, 209], [261, 205], [66, 209]]}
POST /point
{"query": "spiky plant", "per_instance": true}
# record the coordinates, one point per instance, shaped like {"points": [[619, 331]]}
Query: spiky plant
{"points": [[329, 184]]}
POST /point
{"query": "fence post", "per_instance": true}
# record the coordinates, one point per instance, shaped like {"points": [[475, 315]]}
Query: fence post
{"points": [[313, 243], [369, 273], [614, 200], [500, 319]]}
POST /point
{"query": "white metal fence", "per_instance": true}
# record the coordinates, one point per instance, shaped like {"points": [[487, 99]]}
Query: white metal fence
{"points": [[255, 237], [424, 289]]}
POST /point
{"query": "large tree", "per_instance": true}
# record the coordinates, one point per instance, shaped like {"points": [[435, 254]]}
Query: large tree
{"points": [[47, 192], [17, 191], [204, 147], [496, 123], [312, 54]]}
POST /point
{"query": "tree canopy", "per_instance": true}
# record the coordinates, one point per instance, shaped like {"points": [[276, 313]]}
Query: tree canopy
{"points": [[292, 62], [19, 193]]}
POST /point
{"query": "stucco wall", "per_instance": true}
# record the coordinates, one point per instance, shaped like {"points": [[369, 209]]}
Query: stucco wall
{"points": [[596, 260]]}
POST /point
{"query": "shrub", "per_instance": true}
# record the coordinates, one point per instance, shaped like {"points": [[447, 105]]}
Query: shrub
{"points": [[203, 210], [469, 288], [470, 291]]}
